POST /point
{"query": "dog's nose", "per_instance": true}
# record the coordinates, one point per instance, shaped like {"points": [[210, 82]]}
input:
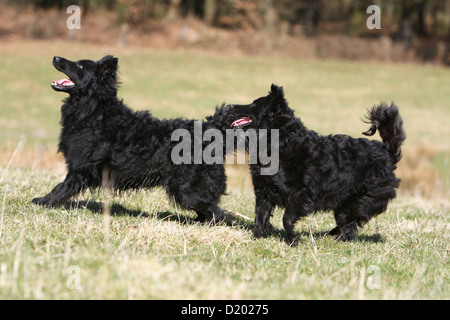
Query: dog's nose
{"points": [[56, 59]]}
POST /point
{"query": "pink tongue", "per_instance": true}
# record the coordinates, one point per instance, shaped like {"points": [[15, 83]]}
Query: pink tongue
{"points": [[61, 82], [241, 123]]}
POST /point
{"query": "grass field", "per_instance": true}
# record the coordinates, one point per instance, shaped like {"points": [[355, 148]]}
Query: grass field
{"points": [[150, 248]]}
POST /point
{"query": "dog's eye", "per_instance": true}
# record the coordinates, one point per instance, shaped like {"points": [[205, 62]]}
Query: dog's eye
{"points": [[253, 105], [79, 66]]}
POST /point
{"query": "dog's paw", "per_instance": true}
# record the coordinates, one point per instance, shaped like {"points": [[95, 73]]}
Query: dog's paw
{"points": [[200, 219], [211, 221], [216, 219], [40, 201], [258, 233], [45, 202], [263, 231], [342, 235], [334, 232], [293, 241]]}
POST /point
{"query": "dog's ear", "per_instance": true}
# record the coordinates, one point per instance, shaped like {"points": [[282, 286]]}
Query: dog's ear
{"points": [[276, 91], [108, 65], [107, 74], [278, 102]]}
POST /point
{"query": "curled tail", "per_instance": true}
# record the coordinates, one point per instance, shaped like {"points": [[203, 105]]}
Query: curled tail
{"points": [[390, 125]]}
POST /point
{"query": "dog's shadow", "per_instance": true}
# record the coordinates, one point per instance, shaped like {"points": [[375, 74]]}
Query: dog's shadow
{"points": [[119, 210], [374, 238], [229, 220], [97, 207]]}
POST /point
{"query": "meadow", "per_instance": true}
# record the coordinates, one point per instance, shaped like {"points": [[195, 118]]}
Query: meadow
{"points": [[149, 248]]}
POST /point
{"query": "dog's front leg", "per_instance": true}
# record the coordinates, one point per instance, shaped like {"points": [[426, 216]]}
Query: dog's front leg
{"points": [[263, 211], [299, 205], [71, 185]]}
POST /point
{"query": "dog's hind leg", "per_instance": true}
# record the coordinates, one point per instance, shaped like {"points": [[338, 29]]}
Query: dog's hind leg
{"points": [[349, 216], [71, 185], [217, 215], [299, 205], [263, 211], [357, 211]]}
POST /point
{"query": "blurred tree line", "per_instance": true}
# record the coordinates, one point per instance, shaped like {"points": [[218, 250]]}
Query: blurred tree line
{"points": [[402, 18]]}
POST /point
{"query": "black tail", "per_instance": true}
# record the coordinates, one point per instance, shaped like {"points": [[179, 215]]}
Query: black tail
{"points": [[390, 125]]}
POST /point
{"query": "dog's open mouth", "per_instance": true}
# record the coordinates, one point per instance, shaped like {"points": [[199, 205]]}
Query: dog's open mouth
{"points": [[240, 123], [62, 84]]}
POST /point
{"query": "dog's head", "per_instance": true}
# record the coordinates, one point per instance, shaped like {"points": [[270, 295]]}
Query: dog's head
{"points": [[262, 112], [87, 74]]}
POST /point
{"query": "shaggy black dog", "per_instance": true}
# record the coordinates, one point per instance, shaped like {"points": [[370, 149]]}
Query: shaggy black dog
{"points": [[352, 177], [101, 134]]}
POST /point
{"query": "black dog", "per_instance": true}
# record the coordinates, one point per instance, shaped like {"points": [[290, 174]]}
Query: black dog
{"points": [[352, 177], [99, 132]]}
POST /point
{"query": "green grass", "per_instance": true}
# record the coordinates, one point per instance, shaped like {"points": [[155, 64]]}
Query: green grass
{"points": [[150, 248]]}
